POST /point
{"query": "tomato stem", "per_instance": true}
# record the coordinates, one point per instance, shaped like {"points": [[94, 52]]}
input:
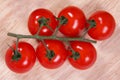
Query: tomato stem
{"points": [[62, 21], [39, 30], [75, 55], [92, 24], [56, 30], [50, 37], [49, 53], [43, 22], [17, 54], [17, 44], [45, 45], [49, 28]]}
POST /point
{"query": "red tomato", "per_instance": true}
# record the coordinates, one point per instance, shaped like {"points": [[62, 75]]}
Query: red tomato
{"points": [[60, 54], [105, 25], [33, 24], [27, 60], [76, 21], [86, 52]]}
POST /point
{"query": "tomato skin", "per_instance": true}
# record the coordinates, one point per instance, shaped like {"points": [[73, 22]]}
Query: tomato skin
{"points": [[76, 21], [59, 50], [105, 25], [87, 55], [33, 24], [27, 60]]}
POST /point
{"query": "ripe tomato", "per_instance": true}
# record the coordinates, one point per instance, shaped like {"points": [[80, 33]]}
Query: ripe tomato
{"points": [[85, 55], [58, 54], [27, 60], [76, 21], [105, 25], [34, 25]]}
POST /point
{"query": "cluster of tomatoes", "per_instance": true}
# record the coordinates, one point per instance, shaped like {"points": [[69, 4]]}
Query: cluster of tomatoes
{"points": [[52, 53]]}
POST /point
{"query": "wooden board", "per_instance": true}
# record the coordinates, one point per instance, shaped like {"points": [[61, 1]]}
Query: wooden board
{"points": [[13, 18]]}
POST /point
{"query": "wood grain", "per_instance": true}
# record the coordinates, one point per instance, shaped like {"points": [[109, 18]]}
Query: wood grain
{"points": [[13, 18]]}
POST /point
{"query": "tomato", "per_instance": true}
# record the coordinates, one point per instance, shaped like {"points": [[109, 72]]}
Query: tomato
{"points": [[58, 54], [26, 61], [84, 56], [105, 25], [33, 24], [76, 21]]}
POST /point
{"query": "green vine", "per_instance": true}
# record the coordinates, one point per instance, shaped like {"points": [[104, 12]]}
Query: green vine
{"points": [[44, 22]]}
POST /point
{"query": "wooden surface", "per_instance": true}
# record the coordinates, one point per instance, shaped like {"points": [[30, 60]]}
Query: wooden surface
{"points": [[13, 18]]}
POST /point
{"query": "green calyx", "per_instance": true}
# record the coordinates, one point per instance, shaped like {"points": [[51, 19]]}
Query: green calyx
{"points": [[50, 54], [75, 55], [16, 55], [63, 20], [43, 21], [92, 23]]}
